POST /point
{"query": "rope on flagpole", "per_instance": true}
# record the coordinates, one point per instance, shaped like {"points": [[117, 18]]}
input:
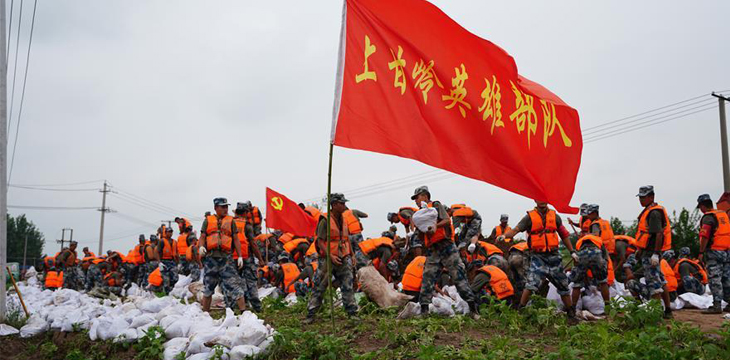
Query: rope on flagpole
{"points": [[329, 238]]}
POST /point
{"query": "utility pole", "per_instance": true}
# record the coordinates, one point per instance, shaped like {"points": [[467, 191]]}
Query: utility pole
{"points": [[63, 236], [3, 158], [723, 142], [103, 210]]}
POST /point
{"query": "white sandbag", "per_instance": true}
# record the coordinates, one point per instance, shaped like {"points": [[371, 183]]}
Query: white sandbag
{"points": [[144, 328], [290, 299], [8, 330], [588, 316], [179, 328], [242, 352], [677, 304], [198, 341], [425, 218], [440, 306], [34, 326], [65, 297], [75, 317], [409, 311], [266, 291], [131, 315], [30, 273], [127, 336], [174, 347], [461, 306], [141, 320], [592, 301], [230, 320], [200, 356], [696, 301], [169, 320], [109, 328], [378, 289], [252, 330], [153, 306], [183, 281]]}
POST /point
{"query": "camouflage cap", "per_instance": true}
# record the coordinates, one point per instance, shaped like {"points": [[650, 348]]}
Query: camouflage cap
{"points": [[646, 191], [684, 252], [668, 255]]}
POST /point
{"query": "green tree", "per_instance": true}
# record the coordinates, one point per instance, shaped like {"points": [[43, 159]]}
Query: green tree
{"points": [[685, 227], [19, 228], [617, 226]]}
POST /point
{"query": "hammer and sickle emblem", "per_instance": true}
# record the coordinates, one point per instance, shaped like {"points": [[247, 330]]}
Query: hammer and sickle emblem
{"points": [[277, 203]]}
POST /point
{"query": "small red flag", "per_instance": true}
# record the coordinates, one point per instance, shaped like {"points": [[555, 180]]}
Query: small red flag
{"points": [[285, 215], [414, 83]]}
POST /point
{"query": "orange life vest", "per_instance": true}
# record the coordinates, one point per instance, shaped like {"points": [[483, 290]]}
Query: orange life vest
{"points": [[291, 245], [721, 237], [263, 237], [71, 259], [97, 260], [354, 226], [413, 275], [54, 279], [313, 212], [440, 233], [628, 239], [669, 276], [189, 256], [455, 207], [403, 220], [370, 245], [465, 212], [241, 235], [169, 251], [92, 255], [254, 216], [110, 280], [291, 272], [182, 243], [49, 262], [490, 249], [498, 281], [609, 241], [312, 249], [595, 240], [521, 247], [155, 278], [339, 240], [585, 224], [499, 232], [543, 237], [218, 233], [285, 238], [697, 266], [642, 234]]}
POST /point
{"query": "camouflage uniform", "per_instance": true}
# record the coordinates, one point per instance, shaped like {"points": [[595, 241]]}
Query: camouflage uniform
{"points": [[589, 258], [301, 288], [248, 274], [360, 258], [547, 266], [718, 275], [499, 261], [221, 270], [169, 275], [468, 231], [518, 264], [93, 277], [443, 254], [150, 266], [343, 274], [194, 270], [653, 277], [73, 277], [691, 284]]}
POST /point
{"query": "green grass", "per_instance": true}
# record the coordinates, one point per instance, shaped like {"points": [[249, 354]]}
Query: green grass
{"points": [[537, 332]]}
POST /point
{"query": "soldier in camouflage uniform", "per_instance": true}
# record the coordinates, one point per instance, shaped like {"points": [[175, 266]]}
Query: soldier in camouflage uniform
{"points": [[218, 241], [545, 228], [441, 253], [340, 255], [592, 256], [167, 252], [73, 277], [689, 273], [113, 282], [469, 227], [193, 263], [248, 271], [93, 276], [715, 251], [644, 291], [151, 259]]}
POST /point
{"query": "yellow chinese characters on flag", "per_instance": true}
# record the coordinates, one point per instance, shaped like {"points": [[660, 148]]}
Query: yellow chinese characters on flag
{"points": [[416, 84]]}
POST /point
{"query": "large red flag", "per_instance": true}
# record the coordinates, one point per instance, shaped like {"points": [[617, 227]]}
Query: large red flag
{"points": [[415, 84], [285, 215]]}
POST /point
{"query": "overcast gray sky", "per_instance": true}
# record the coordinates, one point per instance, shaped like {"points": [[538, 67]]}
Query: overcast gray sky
{"points": [[182, 102]]}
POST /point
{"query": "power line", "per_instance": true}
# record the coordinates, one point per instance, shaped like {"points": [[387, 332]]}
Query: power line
{"points": [[15, 66], [134, 219], [63, 184], [33, 207], [150, 202], [142, 205], [22, 95], [49, 189]]}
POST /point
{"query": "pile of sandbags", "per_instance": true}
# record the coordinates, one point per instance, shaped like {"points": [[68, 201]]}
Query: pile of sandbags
{"points": [[188, 328]]}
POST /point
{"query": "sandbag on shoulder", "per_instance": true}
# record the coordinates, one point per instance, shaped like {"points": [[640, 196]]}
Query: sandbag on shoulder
{"points": [[378, 289]]}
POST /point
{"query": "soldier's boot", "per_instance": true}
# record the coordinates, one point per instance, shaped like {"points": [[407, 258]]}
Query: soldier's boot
{"points": [[474, 311], [311, 316], [714, 309], [570, 313], [424, 311], [668, 314]]}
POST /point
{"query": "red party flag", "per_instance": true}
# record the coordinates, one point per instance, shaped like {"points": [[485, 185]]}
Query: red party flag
{"points": [[285, 215], [414, 83]]}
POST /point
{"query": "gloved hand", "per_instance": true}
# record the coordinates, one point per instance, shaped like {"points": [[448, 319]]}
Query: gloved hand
{"points": [[471, 248], [500, 238], [654, 260], [240, 262], [161, 266], [574, 255], [202, 251]]}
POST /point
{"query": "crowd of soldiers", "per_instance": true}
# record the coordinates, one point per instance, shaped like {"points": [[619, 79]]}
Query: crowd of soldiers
{"points": [[233, 252]]}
